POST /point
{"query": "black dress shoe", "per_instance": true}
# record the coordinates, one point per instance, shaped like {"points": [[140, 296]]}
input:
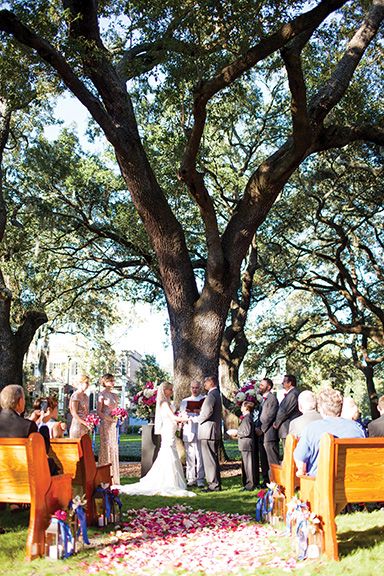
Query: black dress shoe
{"points": [[211, 490]]}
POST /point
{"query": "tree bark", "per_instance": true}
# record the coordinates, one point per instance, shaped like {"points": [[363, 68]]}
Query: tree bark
{"points": [[368, 372]]}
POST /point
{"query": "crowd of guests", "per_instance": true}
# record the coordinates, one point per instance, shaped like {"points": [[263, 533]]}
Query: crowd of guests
{"points": [[14, 423], [261, 433], [264, 428]]}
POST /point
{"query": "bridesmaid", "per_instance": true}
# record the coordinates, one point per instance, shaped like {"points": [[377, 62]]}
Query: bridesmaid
{"points": [[109, 449], [79, 408]]}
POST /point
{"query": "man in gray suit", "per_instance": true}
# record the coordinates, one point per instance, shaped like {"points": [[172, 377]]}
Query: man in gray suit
{"points": [[268, 440], [288, 408], [209, 433]]}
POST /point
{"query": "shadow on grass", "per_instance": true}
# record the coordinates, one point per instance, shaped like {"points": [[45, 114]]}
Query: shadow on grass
{"points": [[354, 540]]}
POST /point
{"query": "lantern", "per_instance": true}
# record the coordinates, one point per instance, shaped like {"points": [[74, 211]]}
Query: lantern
{"points": [[278, 509], [315, 541], [54, 548], [99, 500]]}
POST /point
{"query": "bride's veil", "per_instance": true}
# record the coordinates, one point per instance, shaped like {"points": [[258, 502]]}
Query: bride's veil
{"points": [[160, 398]]}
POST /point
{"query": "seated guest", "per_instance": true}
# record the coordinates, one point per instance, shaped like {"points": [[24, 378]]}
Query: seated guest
{"points": [[351, 411], [329, 404], [46, 414], [307, 405], [376, 427], [12, 425]]}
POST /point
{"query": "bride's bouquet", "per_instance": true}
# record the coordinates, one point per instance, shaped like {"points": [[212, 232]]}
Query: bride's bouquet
{"points": [[145, 401]]}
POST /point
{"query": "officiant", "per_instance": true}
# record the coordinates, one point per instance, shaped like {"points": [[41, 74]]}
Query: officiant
{"points": [[194, 460]]}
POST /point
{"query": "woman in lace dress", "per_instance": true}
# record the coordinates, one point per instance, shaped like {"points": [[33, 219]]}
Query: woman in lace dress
{"points": [[79, 408], [166, 476], [109, 448]]}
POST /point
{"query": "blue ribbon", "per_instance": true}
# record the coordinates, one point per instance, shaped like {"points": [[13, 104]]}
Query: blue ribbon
{"points": [[66, 537], [302, 536], [264, 506], [118, 424], [93, 439], [105, 494], [80, 513], [116, 500]]}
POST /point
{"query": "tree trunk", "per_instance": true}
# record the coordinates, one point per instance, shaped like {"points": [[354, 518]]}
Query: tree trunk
{"points": [[14, 345], [196, 337], [368, 372]]}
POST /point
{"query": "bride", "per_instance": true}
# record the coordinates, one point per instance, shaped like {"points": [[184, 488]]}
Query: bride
{"points": [[166, 477]]}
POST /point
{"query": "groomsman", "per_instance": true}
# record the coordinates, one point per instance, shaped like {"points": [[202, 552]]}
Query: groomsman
{"points": [[268, 440], [210, 432], [288, 408]]}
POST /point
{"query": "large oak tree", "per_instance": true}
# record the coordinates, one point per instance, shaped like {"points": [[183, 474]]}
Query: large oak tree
{"points": [[212, 46]]}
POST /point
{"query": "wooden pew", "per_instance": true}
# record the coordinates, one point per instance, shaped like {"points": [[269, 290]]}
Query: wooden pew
{"points": [[284, 474], [76, 457], [25, 478], [350, 470]]}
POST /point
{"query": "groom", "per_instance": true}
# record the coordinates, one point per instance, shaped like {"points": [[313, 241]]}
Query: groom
{"points": [[209, 433]]}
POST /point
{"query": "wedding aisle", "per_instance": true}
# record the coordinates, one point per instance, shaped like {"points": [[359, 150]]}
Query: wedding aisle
{"points": [[177, 538]]}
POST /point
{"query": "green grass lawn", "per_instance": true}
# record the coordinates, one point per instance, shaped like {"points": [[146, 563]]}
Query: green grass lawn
{"points": [[130, 448], [361, 534]]}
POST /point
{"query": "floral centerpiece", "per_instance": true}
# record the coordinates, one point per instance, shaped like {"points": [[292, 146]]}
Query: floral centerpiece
{"points": [[145, 401], [248, 392]]}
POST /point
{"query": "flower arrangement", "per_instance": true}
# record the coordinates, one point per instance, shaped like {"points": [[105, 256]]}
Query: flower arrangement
{"points": [[119, 413], [145, 400], [247, 392], [305, 527], [60, 515], [92, 421]]}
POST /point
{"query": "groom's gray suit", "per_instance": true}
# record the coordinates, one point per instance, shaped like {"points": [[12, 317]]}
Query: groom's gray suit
{"points": [[209, 433]]}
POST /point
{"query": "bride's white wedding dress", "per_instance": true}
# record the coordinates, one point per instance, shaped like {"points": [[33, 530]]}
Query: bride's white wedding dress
{"points": [[166, 477]]}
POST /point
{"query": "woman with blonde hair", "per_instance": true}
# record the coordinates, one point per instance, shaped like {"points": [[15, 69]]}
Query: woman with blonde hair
{"points": [[79, 408], [166, 477]]}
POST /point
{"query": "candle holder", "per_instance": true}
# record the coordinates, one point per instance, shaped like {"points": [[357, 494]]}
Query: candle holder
{"points": [[278, 509], [54, 546]]}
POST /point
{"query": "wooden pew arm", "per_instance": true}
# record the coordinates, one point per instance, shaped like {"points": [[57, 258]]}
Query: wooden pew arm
{"points": [[307, 489], [103, 474], [60, 492], [276, 472]]}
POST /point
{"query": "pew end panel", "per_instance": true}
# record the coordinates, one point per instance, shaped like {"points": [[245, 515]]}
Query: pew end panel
{"points": [[25, 478]]}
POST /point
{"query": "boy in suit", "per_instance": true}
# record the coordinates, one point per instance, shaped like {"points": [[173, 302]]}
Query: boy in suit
{"points": [[247, 446]]}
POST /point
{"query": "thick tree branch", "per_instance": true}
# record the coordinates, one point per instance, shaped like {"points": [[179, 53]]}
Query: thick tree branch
{"points": [[340, 136], [338, 83]]}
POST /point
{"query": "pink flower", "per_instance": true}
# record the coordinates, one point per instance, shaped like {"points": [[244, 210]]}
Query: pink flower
{"points": [[60, 515]]}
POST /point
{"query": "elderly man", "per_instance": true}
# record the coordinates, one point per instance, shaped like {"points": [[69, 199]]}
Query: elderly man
{"points": [[12, 425], [376, 427], [329, 403], [194, 459], [307, 405]]}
